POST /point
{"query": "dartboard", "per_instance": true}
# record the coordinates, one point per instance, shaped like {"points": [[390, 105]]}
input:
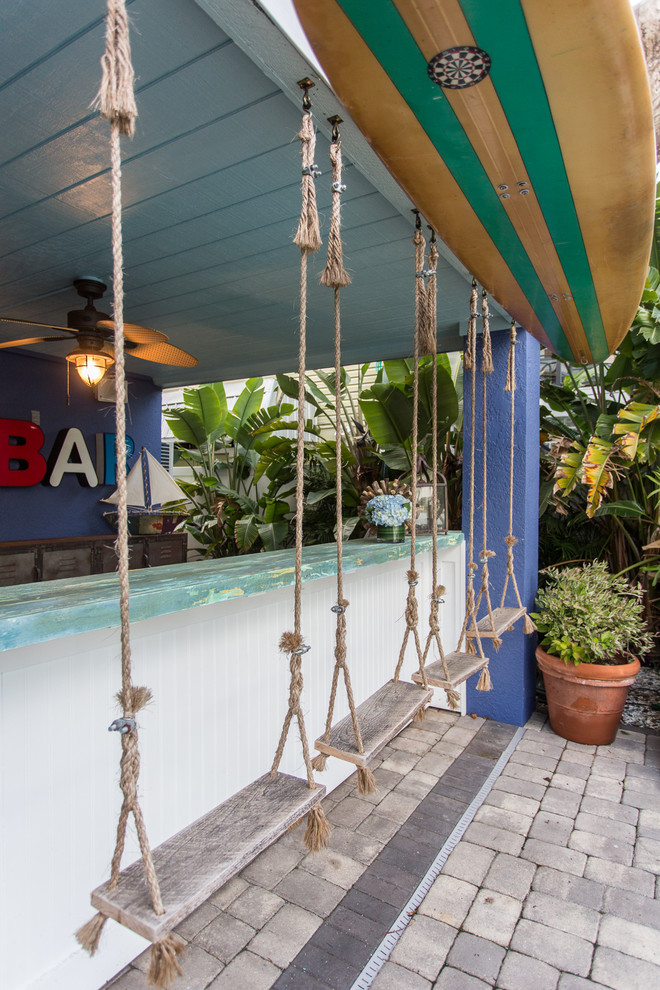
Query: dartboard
{"points": [[460, 67]]}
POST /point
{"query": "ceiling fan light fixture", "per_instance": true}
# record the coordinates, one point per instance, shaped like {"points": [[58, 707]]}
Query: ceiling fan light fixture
{"points": [[91, 366]]}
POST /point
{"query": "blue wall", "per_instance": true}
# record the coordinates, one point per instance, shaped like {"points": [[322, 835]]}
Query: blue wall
{"points": [[38, 384], [513, 667]]}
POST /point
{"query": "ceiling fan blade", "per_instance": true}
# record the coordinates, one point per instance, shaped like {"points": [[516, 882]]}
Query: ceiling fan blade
{"points": [[30, 323], [161, 353], [135, 333], [30, 340]]}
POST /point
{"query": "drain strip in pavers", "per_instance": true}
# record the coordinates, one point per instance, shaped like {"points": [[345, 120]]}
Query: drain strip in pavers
{"points": [[347, 951]]}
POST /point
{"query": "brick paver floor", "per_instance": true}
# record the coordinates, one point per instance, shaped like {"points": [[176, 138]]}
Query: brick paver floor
{"points": [[553, 885]]}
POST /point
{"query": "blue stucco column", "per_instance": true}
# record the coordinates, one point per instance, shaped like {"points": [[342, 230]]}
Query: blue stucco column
{"points": [[513, 667]]}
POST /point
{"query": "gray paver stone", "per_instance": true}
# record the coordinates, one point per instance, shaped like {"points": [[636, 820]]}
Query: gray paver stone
{"points": [[562, 915], [477, 957], [510, 875], [513, 785], [550, 827], [531, 774], [397, 807], [633, 907], [358, 847], [255, 906], [567, 887], [543, 746], [313, 893], [542, 762], [607, 766], [247, 971], [193, 924], [400, 762], [513, 802], [494, 838], [454, 979], [640, 799], [333, 866], [284, 935], [565, 782], [416, 784], [377, 827], [413, 746], [612, 810], [604, 787], [569, 982], [449, 900], [435, 763], [225, 937], [350, 812], [647, 854], [623, 972], [597, 825], [268, 868], [229, 892], [394, 977], [560, 949], [547, 854], [521, 972], [616, 875], [631, 938], [570, 769], [510, 821], [561, 802], [424, 945], [602, 846], [469, 862], [493, 916]]}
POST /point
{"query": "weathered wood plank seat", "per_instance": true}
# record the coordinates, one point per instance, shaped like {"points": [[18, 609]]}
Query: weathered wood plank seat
{"points": [[460, 666], [202, 857], [381, 717], [503, 620]]}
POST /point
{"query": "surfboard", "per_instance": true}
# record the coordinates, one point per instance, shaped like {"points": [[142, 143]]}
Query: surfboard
{"points": [[522, 130]]}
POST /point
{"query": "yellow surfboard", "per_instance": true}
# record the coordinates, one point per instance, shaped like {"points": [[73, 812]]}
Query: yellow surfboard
{"points": [[523, 132]]}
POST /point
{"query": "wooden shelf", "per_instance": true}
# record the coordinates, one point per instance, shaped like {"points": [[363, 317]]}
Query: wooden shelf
{"points": [[460, 666], [503, 620], [202, 857], [381, 717]]}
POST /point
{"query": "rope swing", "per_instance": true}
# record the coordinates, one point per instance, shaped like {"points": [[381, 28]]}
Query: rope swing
{"points": [[412, 612], [117, 104], [429, 346], [308, 239], [335, 277]]}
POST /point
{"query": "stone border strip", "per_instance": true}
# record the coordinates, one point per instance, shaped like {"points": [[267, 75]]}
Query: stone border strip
{"points": [[386, 947], [342, 947]]}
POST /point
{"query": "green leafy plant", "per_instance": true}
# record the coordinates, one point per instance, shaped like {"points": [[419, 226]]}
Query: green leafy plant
{"points": [[588, 615]]}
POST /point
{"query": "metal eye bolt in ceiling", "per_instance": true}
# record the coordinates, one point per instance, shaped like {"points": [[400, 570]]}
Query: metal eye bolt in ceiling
{"points": [[211, 193]]}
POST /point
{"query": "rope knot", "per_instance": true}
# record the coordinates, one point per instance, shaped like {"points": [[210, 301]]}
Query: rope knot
{"points": [[511, 540], [486, 554], [116, 98], [290, 642]]}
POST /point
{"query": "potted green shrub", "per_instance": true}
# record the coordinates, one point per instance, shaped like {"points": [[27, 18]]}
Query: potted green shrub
{"points": [[591, 636]]}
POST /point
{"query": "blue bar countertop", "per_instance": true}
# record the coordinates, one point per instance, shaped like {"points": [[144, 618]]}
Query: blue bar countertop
{"points": [[36, 613]]}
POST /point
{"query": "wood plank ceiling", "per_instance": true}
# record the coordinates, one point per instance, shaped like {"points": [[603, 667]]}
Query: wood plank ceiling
{"points": [[211, 192]]}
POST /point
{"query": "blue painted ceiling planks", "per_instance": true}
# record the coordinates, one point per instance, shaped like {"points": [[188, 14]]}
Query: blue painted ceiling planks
{"points": [[211, 195]]}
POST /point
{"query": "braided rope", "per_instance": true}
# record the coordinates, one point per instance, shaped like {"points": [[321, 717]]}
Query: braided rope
{"points": [[308, 239], [336, 277], [486, 554], [453, 696], [470, 363], [412, 616]]}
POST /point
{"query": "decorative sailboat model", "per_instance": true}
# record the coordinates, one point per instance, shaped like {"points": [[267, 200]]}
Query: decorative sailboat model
{"points": [[148, 487]]}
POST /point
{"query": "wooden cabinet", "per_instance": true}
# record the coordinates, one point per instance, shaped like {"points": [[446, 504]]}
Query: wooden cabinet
{"points": [[25, 561]]}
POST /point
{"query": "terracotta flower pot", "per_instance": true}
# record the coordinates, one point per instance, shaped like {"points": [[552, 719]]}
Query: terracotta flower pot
{"points": [[585, 702]]}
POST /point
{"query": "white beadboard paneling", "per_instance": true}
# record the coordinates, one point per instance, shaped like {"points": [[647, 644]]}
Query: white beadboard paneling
{"points": [[220, 689]]}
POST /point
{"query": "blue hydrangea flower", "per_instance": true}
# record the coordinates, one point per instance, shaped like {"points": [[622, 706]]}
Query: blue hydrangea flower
{"points": [[388, 510]]}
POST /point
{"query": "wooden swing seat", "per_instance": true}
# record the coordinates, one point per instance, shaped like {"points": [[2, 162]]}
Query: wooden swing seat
{"points": [[203, 856], [381, 717], [503, 620], [460, 666]]}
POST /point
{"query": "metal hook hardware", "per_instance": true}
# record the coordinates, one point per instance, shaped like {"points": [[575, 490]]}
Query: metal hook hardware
{"points": [[306, 84], [338, 609], [122, 726], [302, 650], [312, 170], [335, 120]]}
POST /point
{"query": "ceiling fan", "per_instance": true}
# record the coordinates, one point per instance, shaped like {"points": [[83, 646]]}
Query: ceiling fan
{"points": [[93, 332]]}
